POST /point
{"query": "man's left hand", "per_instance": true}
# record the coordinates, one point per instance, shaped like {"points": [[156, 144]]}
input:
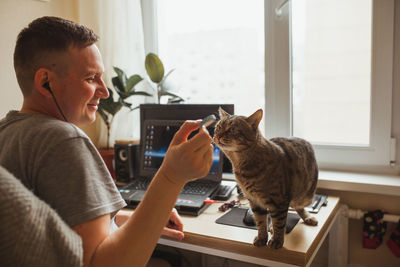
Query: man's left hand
{"points": [[174, 227]]}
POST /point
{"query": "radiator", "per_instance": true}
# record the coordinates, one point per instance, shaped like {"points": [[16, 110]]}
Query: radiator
{"points": [[338, 236]]}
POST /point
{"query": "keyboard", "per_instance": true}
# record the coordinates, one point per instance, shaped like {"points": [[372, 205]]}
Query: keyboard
{"points": [[140, 184], [224, 190], [197, 188], [194, 188]]}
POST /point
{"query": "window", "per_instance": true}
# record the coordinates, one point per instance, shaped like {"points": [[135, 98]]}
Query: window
{"points": [[216, 49], [331, 71], [320, 69], [329, 77]]}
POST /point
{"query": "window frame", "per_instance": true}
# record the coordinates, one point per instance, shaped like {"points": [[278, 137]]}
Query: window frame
{"points": [[278, 108], [278, 88], [150, 29]]}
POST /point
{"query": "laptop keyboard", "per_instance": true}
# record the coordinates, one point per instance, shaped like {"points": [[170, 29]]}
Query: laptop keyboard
{"points": [[194, 188], [140, 184], [197, 188]]}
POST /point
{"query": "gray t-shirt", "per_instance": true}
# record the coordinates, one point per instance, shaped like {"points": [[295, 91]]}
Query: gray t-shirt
{"points": [[59, 163], [31, 233]]}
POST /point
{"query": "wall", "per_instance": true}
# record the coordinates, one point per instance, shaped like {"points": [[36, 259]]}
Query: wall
{"points": [[358, 256], [15, 15]]}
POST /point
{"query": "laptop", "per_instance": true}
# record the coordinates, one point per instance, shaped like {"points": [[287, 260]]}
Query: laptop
{"points": [[157, 135], [185, 112]]}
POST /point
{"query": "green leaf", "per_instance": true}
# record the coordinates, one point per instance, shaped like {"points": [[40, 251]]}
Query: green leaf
{"points": [[129, 105], [125, 104], [108, 100], [165, 77], [163, 93], [154, 67], [175, 100], [103, 115], [121, 76], [115, 107], [132, 81], [108, 105], [119, 87], [139, 93]]}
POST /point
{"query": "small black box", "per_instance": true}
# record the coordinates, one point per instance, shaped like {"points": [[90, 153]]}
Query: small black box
{"points": [[126, 157]]}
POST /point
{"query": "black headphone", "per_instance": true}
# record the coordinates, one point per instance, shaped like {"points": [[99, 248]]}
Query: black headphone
{"points": [[46, 86]]}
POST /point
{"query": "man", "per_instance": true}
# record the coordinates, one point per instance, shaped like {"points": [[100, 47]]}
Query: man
{"points": [[59, 70]]}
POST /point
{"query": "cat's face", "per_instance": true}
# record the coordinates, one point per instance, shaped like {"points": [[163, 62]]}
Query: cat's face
{"points": [[235, 133]]}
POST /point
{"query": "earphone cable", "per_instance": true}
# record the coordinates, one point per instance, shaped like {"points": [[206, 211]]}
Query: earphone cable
{"points": [[59, 109]]}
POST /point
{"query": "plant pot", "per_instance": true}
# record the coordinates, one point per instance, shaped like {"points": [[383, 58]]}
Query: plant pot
{"points": [[108, 158]]}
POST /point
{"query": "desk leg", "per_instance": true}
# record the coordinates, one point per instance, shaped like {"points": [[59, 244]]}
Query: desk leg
{"points": [[338, 239]]}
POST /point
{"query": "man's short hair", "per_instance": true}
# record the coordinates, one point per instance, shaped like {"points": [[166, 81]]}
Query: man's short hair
{"points": [[37, 43]]}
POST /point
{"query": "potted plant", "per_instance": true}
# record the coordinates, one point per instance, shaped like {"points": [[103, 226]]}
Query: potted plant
{"points": [[124, 87], [155, 70], [109, 107]]}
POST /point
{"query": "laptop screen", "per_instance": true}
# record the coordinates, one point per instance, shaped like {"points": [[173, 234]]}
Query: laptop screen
{"points": [[157, 135], [181, 112]]}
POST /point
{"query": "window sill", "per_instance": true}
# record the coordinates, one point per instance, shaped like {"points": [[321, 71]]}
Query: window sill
{"points": [[355, 182], [360, 182]]}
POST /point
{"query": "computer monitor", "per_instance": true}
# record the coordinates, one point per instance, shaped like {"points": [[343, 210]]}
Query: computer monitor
{"points": [[175, 112], [158, 135], [180, 111]]}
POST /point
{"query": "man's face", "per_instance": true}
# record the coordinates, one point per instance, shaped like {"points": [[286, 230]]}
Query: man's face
{"points": [[80, 88]]}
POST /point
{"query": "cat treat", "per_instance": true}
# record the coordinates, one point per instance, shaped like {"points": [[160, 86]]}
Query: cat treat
{"points": [[207, 121], [272, 173]]}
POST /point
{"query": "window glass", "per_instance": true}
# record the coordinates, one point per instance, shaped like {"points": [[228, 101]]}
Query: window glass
{"points": [[331, 70], [216, 49]]}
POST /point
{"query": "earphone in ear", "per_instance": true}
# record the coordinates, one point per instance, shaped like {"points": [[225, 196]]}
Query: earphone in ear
{"points": [[46, 86]]}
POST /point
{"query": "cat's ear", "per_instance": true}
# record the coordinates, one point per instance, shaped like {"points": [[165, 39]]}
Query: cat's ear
{"points": [[222, 113], [255, 118]]}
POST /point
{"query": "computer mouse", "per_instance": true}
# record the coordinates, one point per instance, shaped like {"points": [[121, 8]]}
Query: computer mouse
{"points": [[248, 218]]}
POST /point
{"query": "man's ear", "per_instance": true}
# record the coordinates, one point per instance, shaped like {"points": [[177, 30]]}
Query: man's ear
{"points": [[41, 82], [255, 118]]}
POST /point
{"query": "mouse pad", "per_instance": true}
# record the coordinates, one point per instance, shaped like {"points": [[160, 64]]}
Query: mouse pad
{"points": [[235, 218]]}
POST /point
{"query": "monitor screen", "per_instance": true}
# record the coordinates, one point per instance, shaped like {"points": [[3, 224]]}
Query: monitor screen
{"points": [[181, 112], [158, 135]]}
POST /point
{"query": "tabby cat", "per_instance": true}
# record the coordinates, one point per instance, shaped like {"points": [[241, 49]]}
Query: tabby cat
{"points": [[273, 174]]}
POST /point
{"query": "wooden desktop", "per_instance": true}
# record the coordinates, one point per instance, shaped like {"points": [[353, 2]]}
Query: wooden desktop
{"points": [[203, 235]]}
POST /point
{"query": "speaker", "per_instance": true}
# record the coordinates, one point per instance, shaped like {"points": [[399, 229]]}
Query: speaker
{"points": [[126, 158]]}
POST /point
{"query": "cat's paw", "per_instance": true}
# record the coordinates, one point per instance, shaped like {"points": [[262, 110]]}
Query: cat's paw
{"points": [[260, 241], [311, 221], [275, 243]]}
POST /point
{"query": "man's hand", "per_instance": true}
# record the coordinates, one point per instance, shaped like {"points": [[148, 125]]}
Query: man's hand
{"points": [[188, 160], [174, 226]]}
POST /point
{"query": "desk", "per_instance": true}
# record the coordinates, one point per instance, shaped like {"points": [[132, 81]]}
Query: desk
{"points": [[203, 235]]}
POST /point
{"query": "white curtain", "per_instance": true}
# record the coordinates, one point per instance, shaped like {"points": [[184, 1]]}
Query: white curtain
{"points": [[119, 25]]}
